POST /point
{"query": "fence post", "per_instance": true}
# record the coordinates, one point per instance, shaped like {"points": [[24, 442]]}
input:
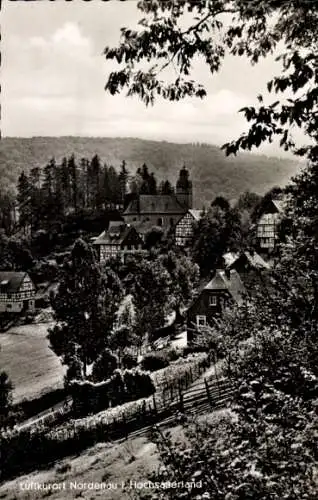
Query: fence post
{"points": [[125, 426], [208, 392], [155, 405], [181, 398], [216, 373]]}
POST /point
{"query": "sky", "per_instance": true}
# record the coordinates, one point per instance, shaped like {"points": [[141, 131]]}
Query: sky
{"points": [[53, 75]]}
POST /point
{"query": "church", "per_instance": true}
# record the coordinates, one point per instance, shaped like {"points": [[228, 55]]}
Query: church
{"points": [[163, 210]]}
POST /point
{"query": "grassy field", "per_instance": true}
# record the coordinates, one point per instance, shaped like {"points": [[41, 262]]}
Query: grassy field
{"points": [[115, 465], [25, 355]]}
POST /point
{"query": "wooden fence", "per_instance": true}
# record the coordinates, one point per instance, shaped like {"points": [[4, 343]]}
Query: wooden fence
{"points": [[35, 448]]}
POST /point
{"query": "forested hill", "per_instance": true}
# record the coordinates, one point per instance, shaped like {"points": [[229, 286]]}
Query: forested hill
{"points": [[213, 174]]}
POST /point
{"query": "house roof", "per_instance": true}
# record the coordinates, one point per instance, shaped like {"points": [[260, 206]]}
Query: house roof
{"points": [[115, 234], [279, 204], [11, 281], [195, 213], [155, 204], [254, 259], [230, 282]]}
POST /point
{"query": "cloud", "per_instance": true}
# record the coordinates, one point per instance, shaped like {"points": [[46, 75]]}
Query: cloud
{"points": [[53, 78]]}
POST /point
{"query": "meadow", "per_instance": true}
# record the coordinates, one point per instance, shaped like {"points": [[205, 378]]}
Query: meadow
{"points": [[31, 365]]}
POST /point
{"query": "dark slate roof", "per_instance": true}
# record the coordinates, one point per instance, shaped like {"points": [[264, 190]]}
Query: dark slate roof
{"points": [[115, 234], [155, 204], [11, 281], [230, 282]]}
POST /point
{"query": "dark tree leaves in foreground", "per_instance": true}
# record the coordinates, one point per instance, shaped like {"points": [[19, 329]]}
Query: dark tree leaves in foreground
{"points": [[267, 445], [173, 35]]}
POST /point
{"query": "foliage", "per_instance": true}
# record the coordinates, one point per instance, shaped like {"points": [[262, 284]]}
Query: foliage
{"points": [[213, 173], [120, 387], [184, 276], [104, 366], [84, 308], [5, 399], [154, 361], [15, 253], [217, 231], [128, 359], [148, 282], [175, 35], [267, 448]]}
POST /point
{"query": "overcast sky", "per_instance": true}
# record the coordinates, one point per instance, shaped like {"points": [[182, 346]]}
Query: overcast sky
{"points": [[53, 78]]}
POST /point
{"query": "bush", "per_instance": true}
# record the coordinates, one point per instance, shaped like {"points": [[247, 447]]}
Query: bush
{"points": [[89, 397], [155, 361], [104, 366], [129, 360]]}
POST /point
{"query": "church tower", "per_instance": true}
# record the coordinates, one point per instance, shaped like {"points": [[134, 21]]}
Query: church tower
{"points": [[184, 189]]}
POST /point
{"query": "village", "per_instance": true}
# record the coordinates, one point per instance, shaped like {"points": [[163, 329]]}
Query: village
{"points": [[158, 250], [236, 274]]}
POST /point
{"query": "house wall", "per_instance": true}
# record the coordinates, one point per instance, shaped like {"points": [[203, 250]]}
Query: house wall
{"points": [[184, 230], [203, 306], [23, 299], [106, 252], [267, 230]]}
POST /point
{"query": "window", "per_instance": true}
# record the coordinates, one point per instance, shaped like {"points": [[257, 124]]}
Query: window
{"points": [[201, 320], [160, 221], [213, 300]]}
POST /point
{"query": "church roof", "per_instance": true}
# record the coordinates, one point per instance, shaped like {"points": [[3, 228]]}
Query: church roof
{"points": [[155, 204]]}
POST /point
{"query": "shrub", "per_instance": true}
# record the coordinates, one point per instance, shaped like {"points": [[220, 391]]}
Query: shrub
{"points": [[154, 361], [89, 397], [129, 360], [104, 366]]}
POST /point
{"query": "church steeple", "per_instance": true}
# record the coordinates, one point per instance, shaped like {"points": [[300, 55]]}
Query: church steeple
{"points": [[184, 188]]}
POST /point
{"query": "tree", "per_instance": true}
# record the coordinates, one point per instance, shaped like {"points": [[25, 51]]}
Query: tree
{"points": [[5, 399], [23, 198], [267, 446], [73, 173], [184, 276], [149, 284], [248, 201], [83, 309], [123, 180], [175, 34], [104, 366], [218, 231], [94, 181]]}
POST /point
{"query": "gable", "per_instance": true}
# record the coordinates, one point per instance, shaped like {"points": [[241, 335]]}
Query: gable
{"points": [[132, 238]]}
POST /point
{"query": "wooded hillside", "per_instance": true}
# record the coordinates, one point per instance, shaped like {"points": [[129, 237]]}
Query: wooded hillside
{"points": [[213, 174]]}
